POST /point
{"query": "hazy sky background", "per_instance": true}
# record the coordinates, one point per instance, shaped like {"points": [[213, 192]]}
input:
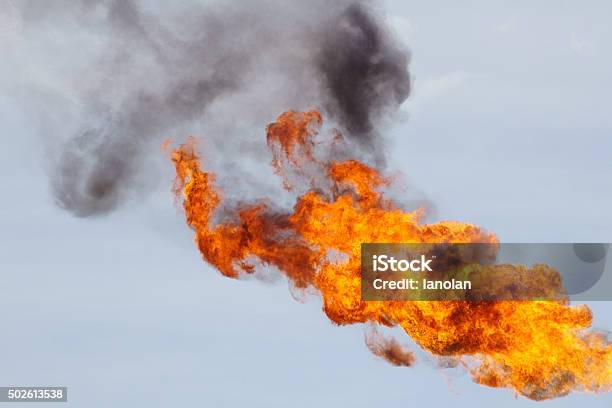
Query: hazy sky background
{"points": [[508, 127]]}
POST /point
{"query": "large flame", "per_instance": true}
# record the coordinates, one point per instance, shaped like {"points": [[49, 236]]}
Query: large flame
{"points": [[541, 349]]}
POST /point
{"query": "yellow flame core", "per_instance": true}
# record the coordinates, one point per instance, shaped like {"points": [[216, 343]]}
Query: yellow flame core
{"points": [[541, 349]]}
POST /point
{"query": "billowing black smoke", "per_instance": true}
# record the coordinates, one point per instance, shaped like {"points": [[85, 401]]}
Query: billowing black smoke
{"points": [[364, 72], [335, 56]]}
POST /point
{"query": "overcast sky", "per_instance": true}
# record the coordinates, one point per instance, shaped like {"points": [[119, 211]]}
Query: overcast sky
{"points": [[508, 127]]}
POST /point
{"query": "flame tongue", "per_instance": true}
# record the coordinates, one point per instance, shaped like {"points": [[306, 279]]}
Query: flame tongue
{"points": [[540, 349], [257, 232]]}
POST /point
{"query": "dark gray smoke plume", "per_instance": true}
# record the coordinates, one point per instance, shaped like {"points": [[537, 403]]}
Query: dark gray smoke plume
{"points": [[162, 72], [364, 72]]}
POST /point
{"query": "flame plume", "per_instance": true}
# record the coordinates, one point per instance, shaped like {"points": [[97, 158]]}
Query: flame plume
{"points": [[541, 349]]}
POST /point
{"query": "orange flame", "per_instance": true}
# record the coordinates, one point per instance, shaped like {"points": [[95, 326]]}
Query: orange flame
{"points": [[541, 349]]}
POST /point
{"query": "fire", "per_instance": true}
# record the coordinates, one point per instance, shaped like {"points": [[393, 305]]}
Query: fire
{"points": [[541, 349]]}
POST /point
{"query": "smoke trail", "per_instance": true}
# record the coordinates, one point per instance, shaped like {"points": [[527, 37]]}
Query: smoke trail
{"points": [[364, 71], [164, 70], [389, 349]]}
